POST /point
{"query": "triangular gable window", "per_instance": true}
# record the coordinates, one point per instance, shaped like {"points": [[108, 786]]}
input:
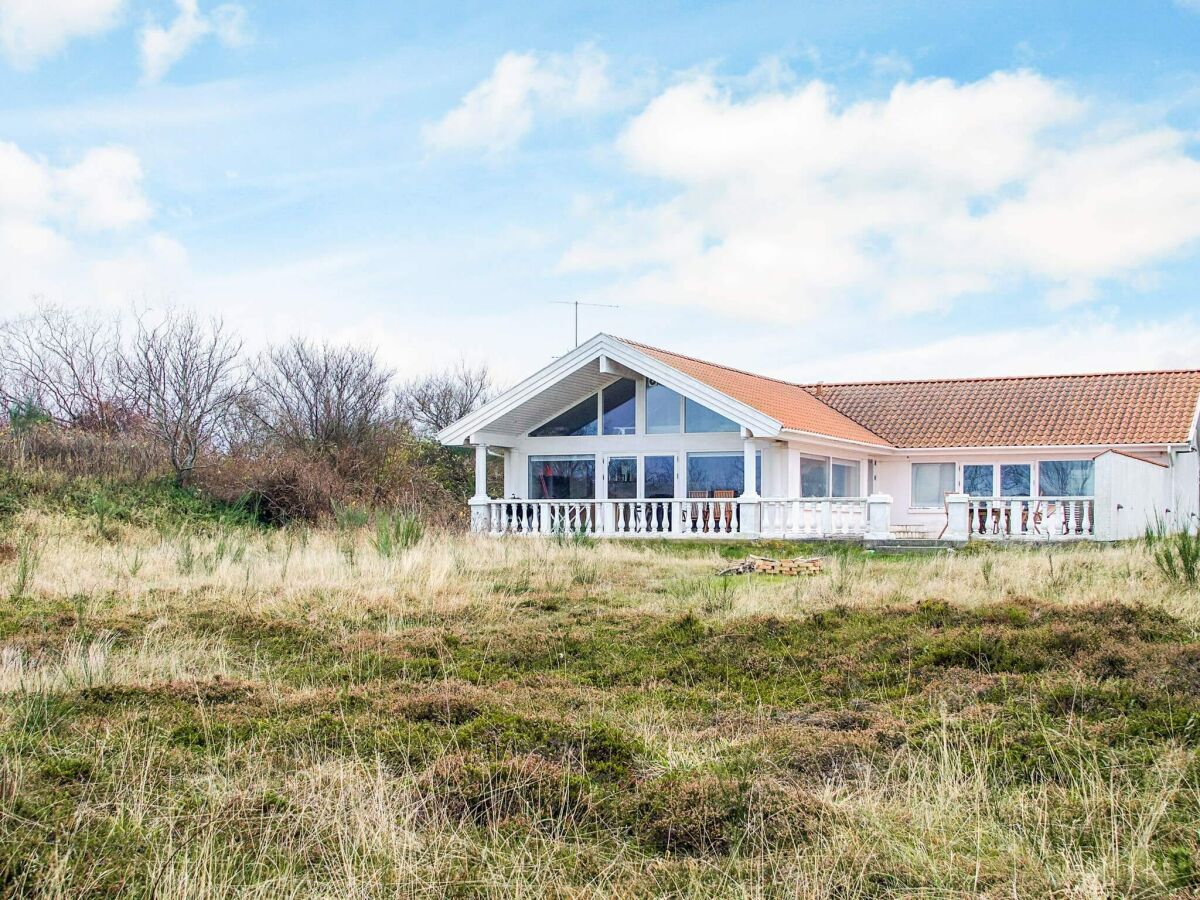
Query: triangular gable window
{"points": [[578, 421]]}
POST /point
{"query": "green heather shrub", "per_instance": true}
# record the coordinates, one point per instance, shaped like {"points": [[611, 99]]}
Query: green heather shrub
{"points": [[396, 532]]}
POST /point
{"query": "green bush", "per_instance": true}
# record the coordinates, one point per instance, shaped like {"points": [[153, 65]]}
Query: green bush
{"points": [[1178, 557]]}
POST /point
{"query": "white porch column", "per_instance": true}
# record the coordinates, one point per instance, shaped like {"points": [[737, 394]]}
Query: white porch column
{"points": [[957, 517], [479, 503], [748, 507], [879, 517]]}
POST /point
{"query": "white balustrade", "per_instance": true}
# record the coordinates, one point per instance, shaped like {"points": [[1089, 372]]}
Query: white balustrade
{"points": [[1031, 518], [813, 518]]}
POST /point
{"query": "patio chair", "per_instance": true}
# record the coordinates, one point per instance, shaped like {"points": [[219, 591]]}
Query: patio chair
{"points": [[699, 511], [725, 510], [1042, 511]]}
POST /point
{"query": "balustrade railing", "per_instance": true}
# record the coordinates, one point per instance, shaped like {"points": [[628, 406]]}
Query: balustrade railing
{"points": [[693, 517], [1036, 518], [803, 518]]}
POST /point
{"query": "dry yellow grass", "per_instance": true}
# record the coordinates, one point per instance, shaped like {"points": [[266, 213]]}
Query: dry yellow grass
{"points": [[291, 714]]}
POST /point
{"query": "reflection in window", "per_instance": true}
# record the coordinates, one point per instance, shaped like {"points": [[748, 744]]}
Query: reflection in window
{"points": [[931, 482], [1014, 481], [698, 418], [619, 407], [845, 478], [660, 477], [977, 481], [662, 409], [1066, 478], [814, 477], [579, 420], [720, 474], [622, 477], [562, 477]]}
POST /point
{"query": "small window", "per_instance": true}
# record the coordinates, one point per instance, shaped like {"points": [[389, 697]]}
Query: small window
{"points": [[562, 477], [931, 482], [698, 418], [1066, 478], [578, 421], [662, 409], [845, 478], [977, 481], [619, 407], [622, 477], [1014, 481], [814, 477]]}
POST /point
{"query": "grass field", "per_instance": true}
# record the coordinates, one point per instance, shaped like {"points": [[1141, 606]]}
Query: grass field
{"points": [[219, 711]]}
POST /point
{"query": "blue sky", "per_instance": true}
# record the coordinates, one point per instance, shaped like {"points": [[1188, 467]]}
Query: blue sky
{"points": [[812, 190]]}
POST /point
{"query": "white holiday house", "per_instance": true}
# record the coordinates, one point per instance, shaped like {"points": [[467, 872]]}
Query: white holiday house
{"points": [[621, 439]]}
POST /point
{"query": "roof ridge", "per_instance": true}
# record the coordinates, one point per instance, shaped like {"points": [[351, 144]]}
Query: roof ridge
{"points": [[976, 378]]}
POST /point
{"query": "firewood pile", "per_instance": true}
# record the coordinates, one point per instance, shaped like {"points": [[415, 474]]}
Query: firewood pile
{"points": [[764, 565]]}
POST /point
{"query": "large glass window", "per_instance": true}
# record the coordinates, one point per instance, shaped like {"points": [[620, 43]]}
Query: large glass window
{"points": [[930, 484], [662, 409], [660, 477], [622, 477], [1066, 478], [562, 477], [814, 477], [579, 420], [977, 481], [619, 407], [845, 479], [1014, 481], [699, 418], [720, 474]]}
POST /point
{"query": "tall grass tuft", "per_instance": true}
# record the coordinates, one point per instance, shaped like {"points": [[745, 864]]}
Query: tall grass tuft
{"points": [[29, 554], [396, 532], [1176, 554]]}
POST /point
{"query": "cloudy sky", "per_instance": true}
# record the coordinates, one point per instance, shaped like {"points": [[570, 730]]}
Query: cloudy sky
{"points": [[811, 190]]}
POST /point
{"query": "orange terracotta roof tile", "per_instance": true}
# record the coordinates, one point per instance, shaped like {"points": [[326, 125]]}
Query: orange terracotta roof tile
{"points": [[790, 404], [1048, 410], [1024, 411]]}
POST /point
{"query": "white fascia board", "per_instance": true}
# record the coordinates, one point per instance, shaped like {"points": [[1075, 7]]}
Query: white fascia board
{"points": [[1029, 448], [831, 441], [617, 351]]}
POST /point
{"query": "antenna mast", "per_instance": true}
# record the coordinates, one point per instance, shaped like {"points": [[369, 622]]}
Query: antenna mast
{"points": [[579, 303]]}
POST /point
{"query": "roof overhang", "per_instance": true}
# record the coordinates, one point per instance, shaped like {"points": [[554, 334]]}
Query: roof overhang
{"points": [[612, 358]]}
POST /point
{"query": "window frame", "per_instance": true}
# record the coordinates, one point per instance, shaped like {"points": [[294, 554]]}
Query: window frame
{"points": [[533, 458], [912, 484]]}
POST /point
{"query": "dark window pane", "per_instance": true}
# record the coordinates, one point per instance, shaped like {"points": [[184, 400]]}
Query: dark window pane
{"points": [[1014, 481], [707, 474], [660, 477], [698, 418], [814, 477], [579, 420], [622, 478], [977, 481], [562, 477], [619, 407], [1066, 478], [662, 409]]}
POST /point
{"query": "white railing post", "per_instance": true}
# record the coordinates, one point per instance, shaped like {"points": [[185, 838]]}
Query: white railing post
{"points": [[957, 515], [879, 517]]}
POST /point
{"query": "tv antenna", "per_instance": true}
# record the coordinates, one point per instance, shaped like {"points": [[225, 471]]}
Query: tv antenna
{"points": [[579, 303]]}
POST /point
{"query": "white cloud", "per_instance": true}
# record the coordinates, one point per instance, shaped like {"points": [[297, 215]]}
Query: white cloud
{"points": [[1087, 345], [498, 112], [789, 201], [65, 231], [31, 30], [162, 47]]}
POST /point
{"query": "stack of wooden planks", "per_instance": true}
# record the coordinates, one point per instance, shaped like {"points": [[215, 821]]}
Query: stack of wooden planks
{"points": [[763, 565]]}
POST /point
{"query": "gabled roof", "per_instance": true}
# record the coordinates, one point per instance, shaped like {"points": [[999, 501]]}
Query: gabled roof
{"points": [[792, 405], [1129, 408]]}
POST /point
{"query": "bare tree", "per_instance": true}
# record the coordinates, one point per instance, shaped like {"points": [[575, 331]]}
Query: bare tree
{"points": [[321, 396], [186, 379], [67, 365], [434, 401]]}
